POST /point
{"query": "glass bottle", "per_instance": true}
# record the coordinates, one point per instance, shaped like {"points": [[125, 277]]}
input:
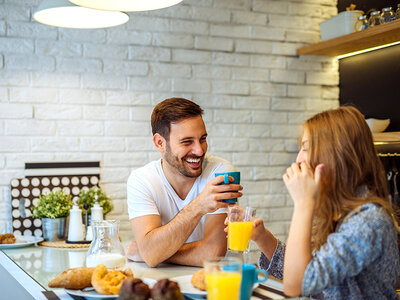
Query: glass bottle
{"points": [[398, 11], [362, 23], [106, 247], [387, 15], [374, 19]]}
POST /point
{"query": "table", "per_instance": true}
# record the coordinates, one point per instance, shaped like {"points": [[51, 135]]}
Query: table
{"points": [[26, 272]]}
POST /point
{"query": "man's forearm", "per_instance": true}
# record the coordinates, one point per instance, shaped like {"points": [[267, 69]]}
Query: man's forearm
{"points": [[161, 243], [195, 253]]}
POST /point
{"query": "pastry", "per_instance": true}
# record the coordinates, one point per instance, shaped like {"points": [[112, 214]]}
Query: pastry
{"points": [[198, 280], [7, 238], [134, 289], [166, 289], [109, 281], [74, 279]]}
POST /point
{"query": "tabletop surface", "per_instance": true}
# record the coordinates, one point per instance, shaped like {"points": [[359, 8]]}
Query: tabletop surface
{"points": [[44, 264]]}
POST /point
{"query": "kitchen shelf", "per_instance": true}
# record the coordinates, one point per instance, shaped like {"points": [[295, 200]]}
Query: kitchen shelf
{"points": [[372, 37], [387, 137]]}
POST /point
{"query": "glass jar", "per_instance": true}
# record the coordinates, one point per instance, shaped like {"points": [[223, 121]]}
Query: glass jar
{"points": [[362, 23], [106, 247], [397, 14], [375, 18], [387, 15]]}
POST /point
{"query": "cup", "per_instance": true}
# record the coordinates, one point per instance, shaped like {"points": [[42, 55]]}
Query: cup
{"points": [[250, 276], [236, 177], [240, 227], [223, 278]]}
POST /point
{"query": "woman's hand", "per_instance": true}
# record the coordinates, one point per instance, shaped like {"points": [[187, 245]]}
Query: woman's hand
{"points": [[303, 184], [258, 233], [259, 230]]}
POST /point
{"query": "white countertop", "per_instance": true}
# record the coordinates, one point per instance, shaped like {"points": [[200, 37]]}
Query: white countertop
{"points": [[28, 270], [38, 265]]}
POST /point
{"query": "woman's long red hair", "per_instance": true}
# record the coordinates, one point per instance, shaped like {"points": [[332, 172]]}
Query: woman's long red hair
{"points": [[342, 141]]}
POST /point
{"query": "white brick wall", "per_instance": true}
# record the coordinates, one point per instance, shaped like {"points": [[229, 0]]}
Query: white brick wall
{"points": [[76, 95]]}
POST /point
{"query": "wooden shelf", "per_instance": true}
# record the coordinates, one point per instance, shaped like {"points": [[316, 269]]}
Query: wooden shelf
{"points": [[387, 137], [360, 40]]}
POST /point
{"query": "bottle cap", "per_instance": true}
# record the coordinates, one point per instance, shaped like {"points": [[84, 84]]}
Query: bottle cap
{"points": [[96, 203], [75, 206]]}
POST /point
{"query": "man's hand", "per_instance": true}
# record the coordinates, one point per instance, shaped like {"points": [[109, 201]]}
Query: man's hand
{"points": [[132, 252], [210, 199]]}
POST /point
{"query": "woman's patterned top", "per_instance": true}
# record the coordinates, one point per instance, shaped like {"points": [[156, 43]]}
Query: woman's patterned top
{"points": [[360, 260]]}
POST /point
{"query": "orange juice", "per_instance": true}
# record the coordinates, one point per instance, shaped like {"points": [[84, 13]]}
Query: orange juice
{"points": [[239, 234], [223, 285]]}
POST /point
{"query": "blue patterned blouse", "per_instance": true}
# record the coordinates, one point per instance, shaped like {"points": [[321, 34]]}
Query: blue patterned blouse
{"points": [[360, 260]]}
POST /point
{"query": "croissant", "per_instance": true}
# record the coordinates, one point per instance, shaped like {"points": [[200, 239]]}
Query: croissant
{"points": [[109, 281], [198, 280], [74, 279]]}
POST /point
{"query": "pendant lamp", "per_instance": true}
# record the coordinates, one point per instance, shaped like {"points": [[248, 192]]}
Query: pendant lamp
{"points": [[62, 13], [126, 5]]}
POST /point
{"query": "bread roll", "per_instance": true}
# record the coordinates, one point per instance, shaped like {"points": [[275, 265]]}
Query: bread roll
{"points": [[73, 279]]}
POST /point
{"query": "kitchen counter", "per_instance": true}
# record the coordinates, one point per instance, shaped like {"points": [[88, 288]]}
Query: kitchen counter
{"points": [[26, 272]]}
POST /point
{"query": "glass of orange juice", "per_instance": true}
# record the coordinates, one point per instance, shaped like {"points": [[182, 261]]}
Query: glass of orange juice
{"points": [[240, 227], [223, 278]]}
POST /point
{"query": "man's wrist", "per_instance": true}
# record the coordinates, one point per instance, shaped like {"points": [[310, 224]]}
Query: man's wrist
{"points": [[195, 209]]}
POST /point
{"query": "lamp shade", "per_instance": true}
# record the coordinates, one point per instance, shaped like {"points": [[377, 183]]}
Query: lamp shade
{"points": [[62, 13], [126, 5]]}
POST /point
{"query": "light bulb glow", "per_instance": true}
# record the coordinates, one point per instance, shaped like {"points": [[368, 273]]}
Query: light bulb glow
{"points": [[126, 5], [367, 50], [64, 14]]}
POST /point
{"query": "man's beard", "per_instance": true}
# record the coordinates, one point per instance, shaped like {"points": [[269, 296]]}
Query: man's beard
{"points": [[179, 164]]}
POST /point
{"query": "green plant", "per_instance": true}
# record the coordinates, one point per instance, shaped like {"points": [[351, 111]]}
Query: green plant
{"points": [[54, 205], [88, 197]]}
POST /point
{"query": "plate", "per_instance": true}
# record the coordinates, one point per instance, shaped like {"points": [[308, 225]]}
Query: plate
{"points": [[92, 294], [22, 241], [187, 287]]}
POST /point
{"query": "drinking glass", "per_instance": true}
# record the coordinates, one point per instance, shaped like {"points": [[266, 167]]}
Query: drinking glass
{"points": [[223, 278], [240, 228]]}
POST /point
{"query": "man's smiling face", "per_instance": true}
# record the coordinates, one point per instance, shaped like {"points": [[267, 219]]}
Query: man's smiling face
{"points": [[187, 146]]}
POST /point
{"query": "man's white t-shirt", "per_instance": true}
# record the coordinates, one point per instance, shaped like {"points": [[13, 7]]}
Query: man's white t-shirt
{"points": [[149, 192]]}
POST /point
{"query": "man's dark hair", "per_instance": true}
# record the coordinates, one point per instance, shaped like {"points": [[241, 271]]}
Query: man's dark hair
{"points": [[172, 110]]}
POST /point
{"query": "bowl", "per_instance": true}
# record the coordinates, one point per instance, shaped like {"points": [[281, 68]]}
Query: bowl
{"points": [[377, 125]]}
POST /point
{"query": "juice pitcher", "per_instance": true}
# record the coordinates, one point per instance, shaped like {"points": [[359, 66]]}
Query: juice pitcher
{"points": [[106, 247]]}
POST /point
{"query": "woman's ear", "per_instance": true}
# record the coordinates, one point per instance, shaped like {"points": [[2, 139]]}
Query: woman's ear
{"points": [[159, 142]]}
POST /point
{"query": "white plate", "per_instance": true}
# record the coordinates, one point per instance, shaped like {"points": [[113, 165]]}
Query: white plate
{"points": [[22, 241], [186, 286], [92, 294], [189, 289]]}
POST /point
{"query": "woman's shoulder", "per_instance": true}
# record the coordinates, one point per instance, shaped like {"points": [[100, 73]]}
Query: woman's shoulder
{"points": [[370, 214]]}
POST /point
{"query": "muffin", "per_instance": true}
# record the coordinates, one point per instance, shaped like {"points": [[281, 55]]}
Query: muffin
{"points": [[166, 289], [134, 289]]}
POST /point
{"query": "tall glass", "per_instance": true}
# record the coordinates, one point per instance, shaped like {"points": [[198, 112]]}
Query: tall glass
{"points": [[240, 228], [223, 278]]}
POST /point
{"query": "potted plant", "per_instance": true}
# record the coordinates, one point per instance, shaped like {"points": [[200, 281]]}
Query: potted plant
{"points": [[53, 208], [88, 197]]}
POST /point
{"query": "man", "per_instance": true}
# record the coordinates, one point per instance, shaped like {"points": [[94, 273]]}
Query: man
{"points": [[175, 203]]}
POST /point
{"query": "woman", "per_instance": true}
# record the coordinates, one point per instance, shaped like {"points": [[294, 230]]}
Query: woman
{"points": [[343, 238]]}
